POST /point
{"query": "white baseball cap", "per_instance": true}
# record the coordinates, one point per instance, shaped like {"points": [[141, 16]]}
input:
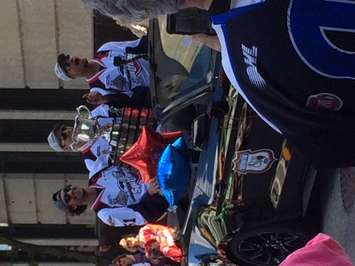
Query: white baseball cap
{"points": [[61, 73], [53, 142]]}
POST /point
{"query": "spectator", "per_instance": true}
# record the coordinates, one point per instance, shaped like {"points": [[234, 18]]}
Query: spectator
{"points": [[130, 259], [96, 153], [136, 11], [321, 250], [156, 240], [138, 259]]}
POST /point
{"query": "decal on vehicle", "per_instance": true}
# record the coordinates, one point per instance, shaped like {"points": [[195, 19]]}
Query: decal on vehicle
{"points": [[254, 162], [250, 57], [323, 101]]}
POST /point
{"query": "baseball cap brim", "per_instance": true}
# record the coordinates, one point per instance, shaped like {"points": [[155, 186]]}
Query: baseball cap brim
{"points": [[53, 142]]}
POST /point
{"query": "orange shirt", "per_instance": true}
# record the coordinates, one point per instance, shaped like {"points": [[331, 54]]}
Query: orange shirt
{"points": [[164, 235]]}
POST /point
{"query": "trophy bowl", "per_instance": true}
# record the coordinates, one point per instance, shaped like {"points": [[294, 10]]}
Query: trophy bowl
{"points": [[85, 128]]}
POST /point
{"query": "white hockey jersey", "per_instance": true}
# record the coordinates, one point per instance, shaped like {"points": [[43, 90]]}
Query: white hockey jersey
{"points": [[112, 79]]}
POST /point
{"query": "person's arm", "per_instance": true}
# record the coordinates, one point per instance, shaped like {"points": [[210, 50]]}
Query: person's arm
{"points": [[102, 91], [122, 216], [208, 40], [117, 99], [89, 163]]}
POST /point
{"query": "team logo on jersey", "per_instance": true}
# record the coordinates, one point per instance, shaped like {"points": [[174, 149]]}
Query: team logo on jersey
{"points": [[254, 162], [250, 56], [323, 101], [121, 199], [103, 151]]}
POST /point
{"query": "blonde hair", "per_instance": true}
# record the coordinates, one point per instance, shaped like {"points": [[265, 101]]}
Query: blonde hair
{"points": [[134, 11], [123, 243]]}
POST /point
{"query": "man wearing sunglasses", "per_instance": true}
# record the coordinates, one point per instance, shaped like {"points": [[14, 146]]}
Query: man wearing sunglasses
{"points": [[95, 153], [119, 75], [118, 196]]}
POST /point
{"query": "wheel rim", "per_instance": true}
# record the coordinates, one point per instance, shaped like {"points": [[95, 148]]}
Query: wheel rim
{"points": [[269, 248]]}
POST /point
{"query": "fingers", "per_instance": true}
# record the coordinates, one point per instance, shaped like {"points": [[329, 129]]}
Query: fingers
{"points": [[91, 97], [154, 183], [152, 180], [153, 187], [200, 37], [210, 41]]}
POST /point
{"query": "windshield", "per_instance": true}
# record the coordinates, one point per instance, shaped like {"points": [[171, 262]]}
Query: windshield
{"points": [[178, 64]]}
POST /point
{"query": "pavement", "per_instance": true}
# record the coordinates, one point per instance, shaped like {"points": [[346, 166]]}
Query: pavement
{"points": [[337, 207]]}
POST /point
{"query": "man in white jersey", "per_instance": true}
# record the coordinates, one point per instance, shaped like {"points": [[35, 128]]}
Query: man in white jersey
{"points": [[96, 153], [118, 75], [118, 196]]}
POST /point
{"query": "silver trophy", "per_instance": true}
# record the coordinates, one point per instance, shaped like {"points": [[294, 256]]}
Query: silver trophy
{"points": [[86, 128]]}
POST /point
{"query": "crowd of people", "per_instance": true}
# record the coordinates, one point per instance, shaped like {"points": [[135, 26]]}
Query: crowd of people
{"points": [[118, 76]]}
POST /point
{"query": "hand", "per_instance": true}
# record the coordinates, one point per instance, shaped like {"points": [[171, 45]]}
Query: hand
{"points": [[153, 187], [208, 40], [94, 98], [199, 37]]}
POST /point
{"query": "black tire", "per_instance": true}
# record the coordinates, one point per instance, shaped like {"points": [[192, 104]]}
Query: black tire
{"points": [[267, 246]]}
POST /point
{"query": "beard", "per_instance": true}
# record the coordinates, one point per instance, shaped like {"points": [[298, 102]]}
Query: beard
{"points": [[83, 194], [80, 194], [85, 63]]}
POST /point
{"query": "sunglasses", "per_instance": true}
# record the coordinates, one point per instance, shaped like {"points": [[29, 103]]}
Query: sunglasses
{"points": [[66, 197]]}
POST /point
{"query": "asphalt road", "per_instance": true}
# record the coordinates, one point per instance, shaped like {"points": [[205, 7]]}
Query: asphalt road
{"points": [[338, 214]]}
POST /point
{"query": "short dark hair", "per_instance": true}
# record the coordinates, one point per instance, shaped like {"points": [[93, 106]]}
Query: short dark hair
{"points": [[60, 204]]}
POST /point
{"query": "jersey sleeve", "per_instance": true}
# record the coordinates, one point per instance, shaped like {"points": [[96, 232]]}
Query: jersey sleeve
{"points": [[119, 47], [122, 216], [103, 91]]}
